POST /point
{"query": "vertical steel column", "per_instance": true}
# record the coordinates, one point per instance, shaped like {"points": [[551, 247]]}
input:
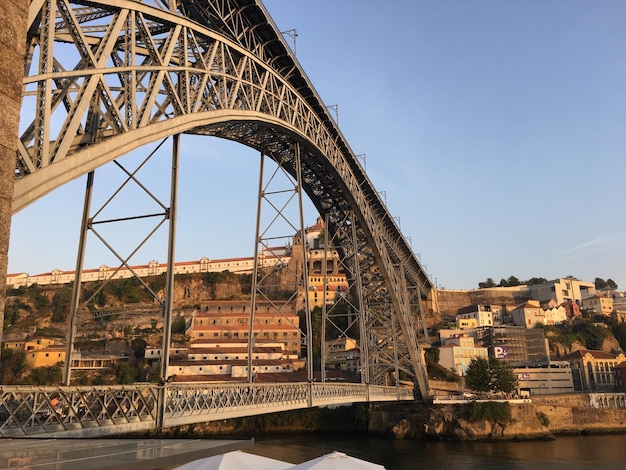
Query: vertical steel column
{"points": [[255, 270], [171, 248], [324, 306], [420, 307], [80, 259], [305, 273], [395, 349], [364, 340], [169, 284]]}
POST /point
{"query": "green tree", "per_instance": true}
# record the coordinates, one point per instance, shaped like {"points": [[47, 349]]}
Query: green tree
{"points": [[487, 284], [620, 334], [125, 373], [611, 285], [432, 354], [484, 375], [47, 375], [61, 303], [599, 283], [13, 365], [178, 325], [138, 346], [591, 336], [478, 375], [510, 282], [503, 377]]}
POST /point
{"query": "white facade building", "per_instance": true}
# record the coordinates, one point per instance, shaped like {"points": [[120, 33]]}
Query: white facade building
{"points": [[555, 377], [475, 316], [562, 290], [531, 313], [457, 353]]}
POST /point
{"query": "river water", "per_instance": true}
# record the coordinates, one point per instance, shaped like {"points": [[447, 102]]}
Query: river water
{"points": [[605, 452]]}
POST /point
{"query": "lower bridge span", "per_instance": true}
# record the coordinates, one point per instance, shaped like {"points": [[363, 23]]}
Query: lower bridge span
{"points": [[83, 412]]}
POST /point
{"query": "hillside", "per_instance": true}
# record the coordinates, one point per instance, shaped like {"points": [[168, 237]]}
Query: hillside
{"points": [[43, 310]]}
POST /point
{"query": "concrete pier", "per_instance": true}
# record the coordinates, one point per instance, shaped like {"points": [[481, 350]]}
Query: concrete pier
{"points": [[13, 17]]}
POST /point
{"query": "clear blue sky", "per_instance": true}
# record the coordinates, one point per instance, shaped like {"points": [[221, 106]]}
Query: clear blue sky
{"points": [[497, 131]]}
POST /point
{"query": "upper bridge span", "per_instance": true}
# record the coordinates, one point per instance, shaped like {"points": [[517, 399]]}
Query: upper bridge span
{"points": [[104, 78]]}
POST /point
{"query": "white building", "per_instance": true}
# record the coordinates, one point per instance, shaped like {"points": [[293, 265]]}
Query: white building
{"points": [[531, 313], [555, 377], [563, 290], [475, 316], [226, 360], [245, 265], [457, 353], [598, 304]]}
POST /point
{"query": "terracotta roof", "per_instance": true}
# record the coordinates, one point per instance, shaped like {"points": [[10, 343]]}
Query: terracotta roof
{"points": [[243, 350], [582, 352], [227, 313], [528, 305], [244, 328], [211, 342], [231, 362]]}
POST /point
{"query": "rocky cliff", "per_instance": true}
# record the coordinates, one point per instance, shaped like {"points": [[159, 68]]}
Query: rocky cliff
{"points": [[537, 420]]}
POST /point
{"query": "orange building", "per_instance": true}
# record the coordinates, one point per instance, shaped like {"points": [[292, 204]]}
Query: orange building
{"points": [[220, 321]]}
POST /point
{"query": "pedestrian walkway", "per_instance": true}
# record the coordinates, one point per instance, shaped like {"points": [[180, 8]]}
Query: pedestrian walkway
{"points": [[110, 454]]}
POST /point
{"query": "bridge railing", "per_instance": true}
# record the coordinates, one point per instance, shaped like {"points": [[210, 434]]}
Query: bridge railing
{"points": [[88, 411], [186, 403], [110, 410]]}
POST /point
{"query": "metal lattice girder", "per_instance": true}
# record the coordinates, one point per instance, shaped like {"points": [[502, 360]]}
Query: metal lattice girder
{"points": [[113, 410], [341, 317], [60, 411], [105, 78]]}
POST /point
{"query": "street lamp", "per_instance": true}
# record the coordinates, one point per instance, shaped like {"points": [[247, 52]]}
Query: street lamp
{"points": [[362, 156], [293, 34], [384, 195], [334, 107]]}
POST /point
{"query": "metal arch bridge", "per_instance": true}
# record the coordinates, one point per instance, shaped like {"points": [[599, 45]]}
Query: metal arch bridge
{"points": [[103, 78]]}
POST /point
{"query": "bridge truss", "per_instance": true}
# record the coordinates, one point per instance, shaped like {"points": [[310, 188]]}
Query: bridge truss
{"points": [[103, 78], [112, 410]]}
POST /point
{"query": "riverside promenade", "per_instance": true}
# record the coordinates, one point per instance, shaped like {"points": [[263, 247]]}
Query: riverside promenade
{"points": [[111, 454]]}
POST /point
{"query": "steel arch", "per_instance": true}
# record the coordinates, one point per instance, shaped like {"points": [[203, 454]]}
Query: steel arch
{"points": [[112, 76]]}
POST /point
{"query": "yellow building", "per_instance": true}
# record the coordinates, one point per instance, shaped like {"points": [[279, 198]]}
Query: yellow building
{"points": [[464, 323], [593, 370], [47, 356], [38, 343], [14, 344], [599, 304], [327, 280]]}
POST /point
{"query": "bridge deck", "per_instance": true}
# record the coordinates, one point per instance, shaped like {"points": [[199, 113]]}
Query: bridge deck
{"points": [[112, 410]]}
